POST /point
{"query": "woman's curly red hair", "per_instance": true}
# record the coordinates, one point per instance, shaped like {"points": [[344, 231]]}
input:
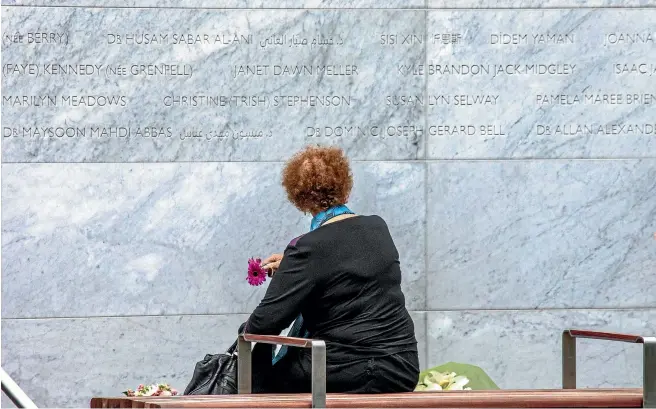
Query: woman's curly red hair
{"points": [[317, 178]]}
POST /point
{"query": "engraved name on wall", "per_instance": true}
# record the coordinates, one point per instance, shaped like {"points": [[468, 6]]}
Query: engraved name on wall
{"points": [[166, 85]]}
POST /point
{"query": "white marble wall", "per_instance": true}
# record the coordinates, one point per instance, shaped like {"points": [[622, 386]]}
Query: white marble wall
{"points": [[122, 256]]}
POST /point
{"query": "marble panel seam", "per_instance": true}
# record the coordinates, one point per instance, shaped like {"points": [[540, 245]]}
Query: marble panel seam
{"points": [[426, 8], [505, 8], [546, 309], [426, 174], [417, 161], [490, 310], [90, 6], [273, 162]]}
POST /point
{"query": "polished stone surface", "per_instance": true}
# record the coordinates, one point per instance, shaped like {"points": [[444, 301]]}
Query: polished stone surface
{"points": [[347, 4], [386, 84], [541, 84], [502, 4], [218, 85], [522, 349], [223, 4], [541, 234], [65, 362], [116, 239]]}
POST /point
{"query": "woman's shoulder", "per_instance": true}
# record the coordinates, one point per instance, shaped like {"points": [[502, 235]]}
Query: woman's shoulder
{"points": [[372, 219], [295, 240], [329, 230], [376, 218], [324, 239]]}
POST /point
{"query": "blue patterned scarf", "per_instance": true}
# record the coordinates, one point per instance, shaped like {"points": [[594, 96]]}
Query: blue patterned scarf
{"points": [[298, 330]]}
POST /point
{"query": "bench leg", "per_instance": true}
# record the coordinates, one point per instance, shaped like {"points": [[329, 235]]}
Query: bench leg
{"points": [[318, 374], [569, 361], [244, 367], [649, 373]]}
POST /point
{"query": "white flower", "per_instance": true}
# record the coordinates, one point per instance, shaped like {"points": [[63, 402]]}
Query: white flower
{"points": [[437, 381], [439, 378], [160, 389], [433, 387], [150, 390], [458, 383]]}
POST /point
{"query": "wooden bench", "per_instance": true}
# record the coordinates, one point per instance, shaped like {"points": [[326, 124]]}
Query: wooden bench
{"points": [[542, 398], [568, 397]]}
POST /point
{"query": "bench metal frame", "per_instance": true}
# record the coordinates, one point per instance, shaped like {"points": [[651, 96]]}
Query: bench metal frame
{"points": [[244, 381], [244, 363], [14, 392], [648, 359]]}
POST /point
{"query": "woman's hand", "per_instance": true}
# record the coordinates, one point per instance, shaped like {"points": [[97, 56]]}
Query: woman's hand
{"points": [[271, 264]]}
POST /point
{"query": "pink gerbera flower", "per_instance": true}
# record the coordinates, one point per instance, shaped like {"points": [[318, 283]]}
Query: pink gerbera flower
{"points": [[256, 274]]}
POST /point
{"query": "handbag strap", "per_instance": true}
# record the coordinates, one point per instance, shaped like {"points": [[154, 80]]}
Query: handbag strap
{"points": [[232, 349]]}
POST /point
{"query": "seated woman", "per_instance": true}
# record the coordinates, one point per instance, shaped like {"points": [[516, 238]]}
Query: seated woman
{"points": [[340, 283]]}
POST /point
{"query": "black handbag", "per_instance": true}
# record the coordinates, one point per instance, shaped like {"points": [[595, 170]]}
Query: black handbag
{"points": [[215, 375]]}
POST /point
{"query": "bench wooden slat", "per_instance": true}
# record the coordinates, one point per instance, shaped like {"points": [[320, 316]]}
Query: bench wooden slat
{"points": [[518, 398], [279, 340], [610, 336]]}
